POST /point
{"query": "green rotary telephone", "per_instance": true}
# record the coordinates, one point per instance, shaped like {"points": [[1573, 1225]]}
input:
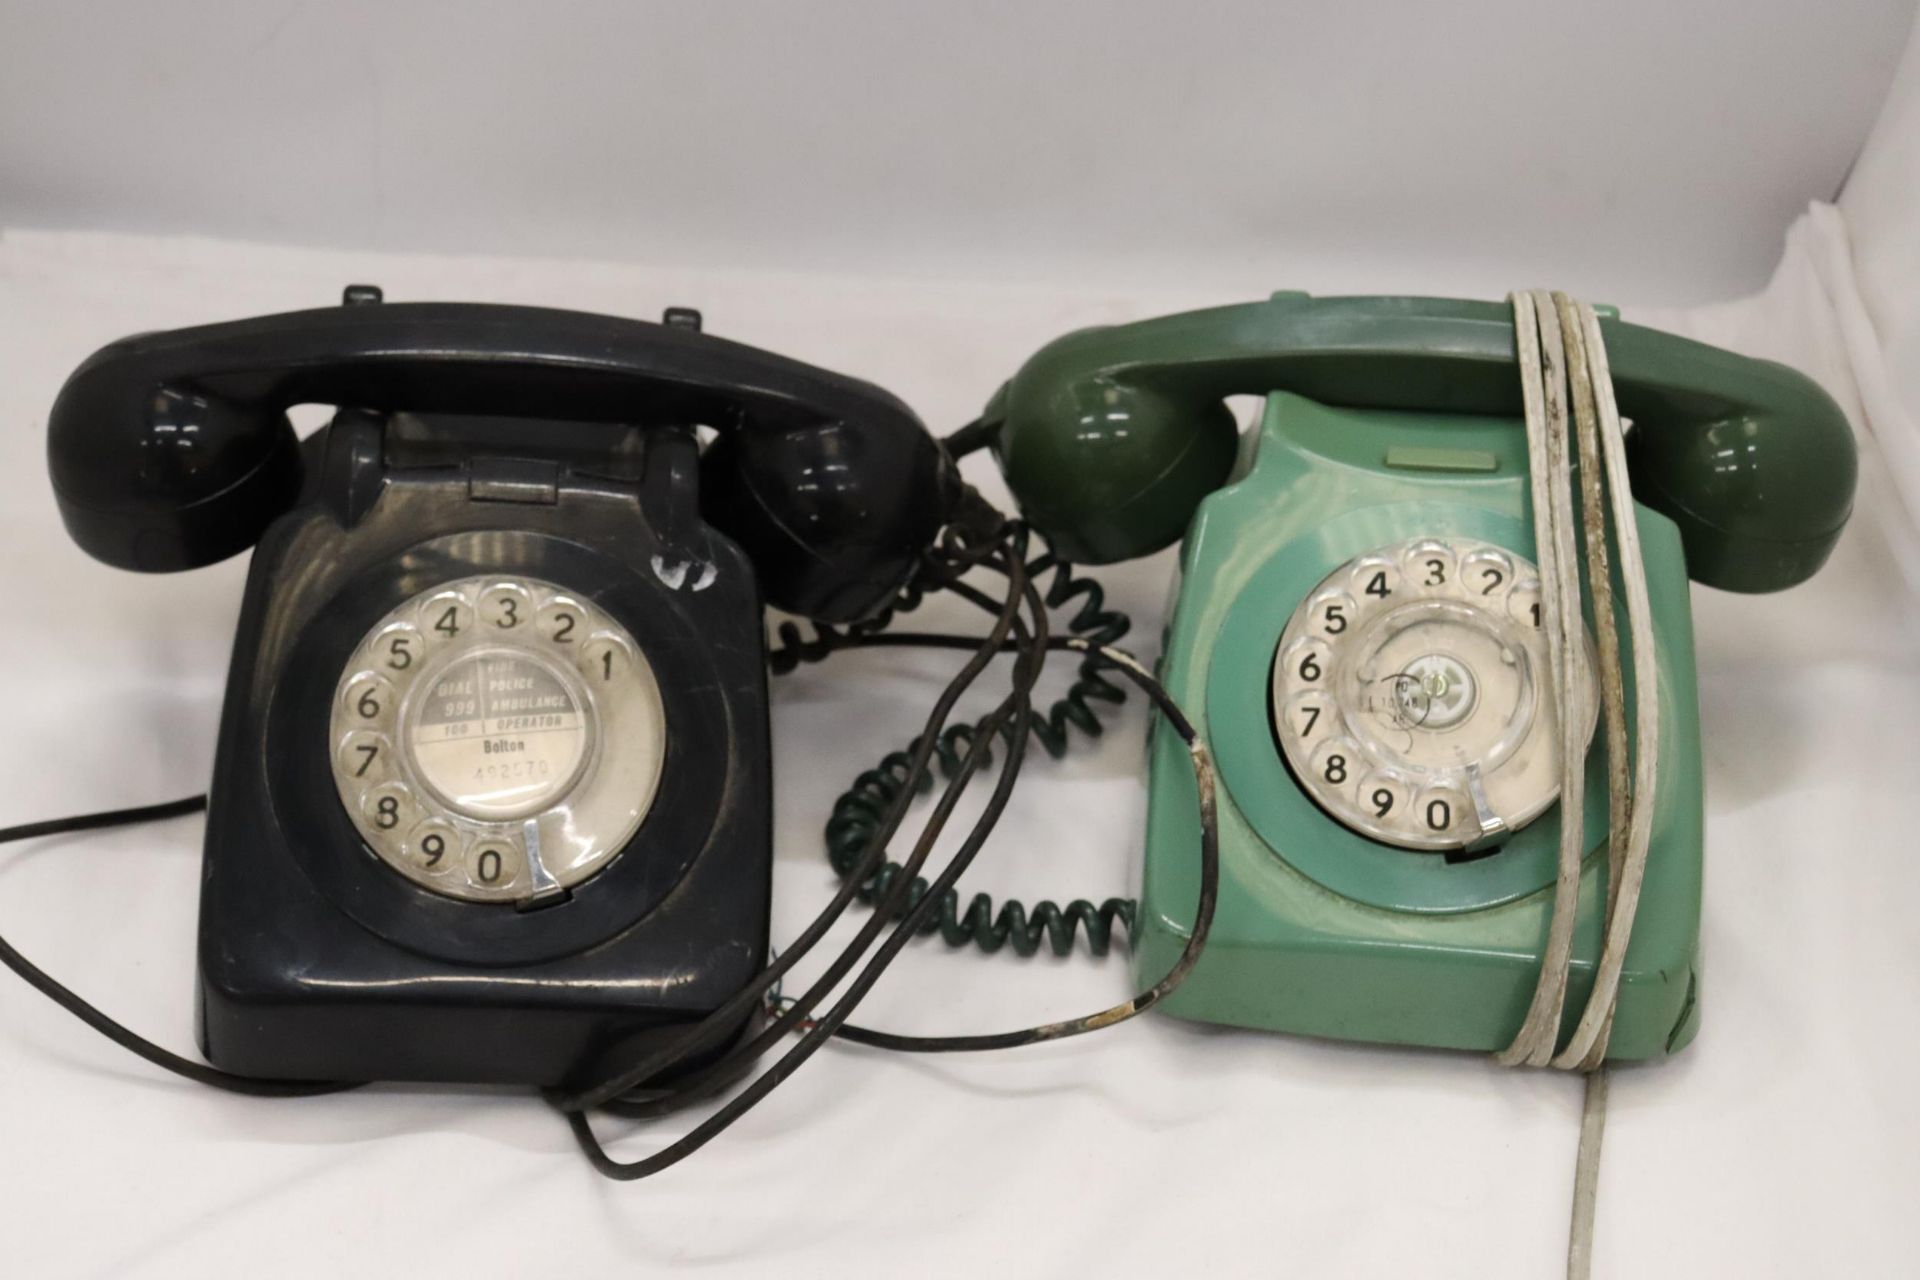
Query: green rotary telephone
{"points": [[1358, 636]]}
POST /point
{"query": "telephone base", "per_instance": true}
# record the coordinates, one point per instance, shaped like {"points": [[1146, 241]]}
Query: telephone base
{"points": [[1321, 930], [443, 1042], [318, 961]]}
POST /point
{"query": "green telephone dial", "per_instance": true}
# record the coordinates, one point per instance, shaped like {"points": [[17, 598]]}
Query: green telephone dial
{"points": [[1357, 635]]}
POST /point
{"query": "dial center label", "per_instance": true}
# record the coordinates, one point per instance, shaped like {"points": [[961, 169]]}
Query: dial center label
{"points": [[498, 733]]}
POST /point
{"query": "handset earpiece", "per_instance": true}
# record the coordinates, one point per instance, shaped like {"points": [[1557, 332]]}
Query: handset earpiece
{"points": [[173, 450], [834, 519], [1108, 467], [155, 474], [1109, 438], [1751, 459]]}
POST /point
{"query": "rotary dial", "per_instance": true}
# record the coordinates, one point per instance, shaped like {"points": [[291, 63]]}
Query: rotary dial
{"points": [[1412, 698], [497, 739]]}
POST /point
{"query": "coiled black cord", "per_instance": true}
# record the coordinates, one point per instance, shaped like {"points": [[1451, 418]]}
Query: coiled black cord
{"points": [[794, 647], [860, 811]]}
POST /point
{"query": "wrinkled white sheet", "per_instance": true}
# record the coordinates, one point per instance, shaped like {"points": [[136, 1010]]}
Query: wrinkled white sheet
{"points": [[1780, 1144]]}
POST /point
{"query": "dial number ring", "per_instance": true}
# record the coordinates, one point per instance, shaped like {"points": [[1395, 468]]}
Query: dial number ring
{"points": [[1420, 715], [497, 739]]}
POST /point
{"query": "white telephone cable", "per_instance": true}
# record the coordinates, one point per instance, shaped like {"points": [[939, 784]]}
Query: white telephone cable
{"points": [[1588, 1046], [1553, 354], [1593, 521], [1582, 376], [1569, 333], [1541, 349]]}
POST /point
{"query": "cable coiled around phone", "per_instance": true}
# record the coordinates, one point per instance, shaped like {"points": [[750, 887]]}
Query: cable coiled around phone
{"points": [[862, 808]]}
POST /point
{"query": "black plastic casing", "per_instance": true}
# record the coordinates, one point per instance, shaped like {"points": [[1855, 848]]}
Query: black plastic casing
{"points": [[316, 961]]}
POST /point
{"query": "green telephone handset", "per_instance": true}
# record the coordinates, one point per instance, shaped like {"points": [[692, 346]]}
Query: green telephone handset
{"points": [[1358, 635]]}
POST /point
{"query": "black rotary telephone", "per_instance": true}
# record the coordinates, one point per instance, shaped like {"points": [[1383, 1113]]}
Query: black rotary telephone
{"points": [[492, 799]]}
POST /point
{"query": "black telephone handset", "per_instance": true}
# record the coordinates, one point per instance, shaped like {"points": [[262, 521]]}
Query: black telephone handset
{"points": [[173, 450], [492, 793]]}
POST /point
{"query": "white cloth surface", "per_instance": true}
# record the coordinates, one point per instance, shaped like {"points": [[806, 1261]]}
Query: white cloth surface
{"points": [[1779, 1144]]}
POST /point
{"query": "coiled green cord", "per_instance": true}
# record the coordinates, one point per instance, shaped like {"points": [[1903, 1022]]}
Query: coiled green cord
{"points": [[860, 810]]}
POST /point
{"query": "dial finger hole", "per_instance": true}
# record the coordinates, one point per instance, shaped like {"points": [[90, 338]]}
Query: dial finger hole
{"points": [[1384, 796], [562, 621], [505, 606], [1442, 810], [1307, 663], [398, 649], [1523, 602], [1486, 575], [388, 807], [1335, 763], [1311, 716], [369, 700], [495, 864], [1375, 580], [366, 757], [1331, 615], [605, 660], [1430, 566], [446, 616], [433, 846]]}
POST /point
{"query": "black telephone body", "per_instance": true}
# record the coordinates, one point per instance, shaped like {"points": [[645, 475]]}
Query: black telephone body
{"points": [[497, 483]]}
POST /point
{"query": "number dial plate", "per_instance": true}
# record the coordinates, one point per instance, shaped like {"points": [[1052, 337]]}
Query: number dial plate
{"points": [[1411, 694], [497, 739]]}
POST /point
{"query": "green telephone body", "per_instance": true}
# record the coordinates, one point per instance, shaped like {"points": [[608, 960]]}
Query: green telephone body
{"points": [[1388, 421]]}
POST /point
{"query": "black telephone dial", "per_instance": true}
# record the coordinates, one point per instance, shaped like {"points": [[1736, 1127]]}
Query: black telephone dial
{"points": [[492, 794]]}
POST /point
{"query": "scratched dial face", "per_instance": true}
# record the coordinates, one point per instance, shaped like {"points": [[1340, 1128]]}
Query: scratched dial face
{"points": [[1412, 698], [497, 739]]}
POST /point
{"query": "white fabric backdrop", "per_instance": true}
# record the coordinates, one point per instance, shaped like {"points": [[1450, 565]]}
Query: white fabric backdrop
{"points": [[1119, 146], [1779, 1144]]}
